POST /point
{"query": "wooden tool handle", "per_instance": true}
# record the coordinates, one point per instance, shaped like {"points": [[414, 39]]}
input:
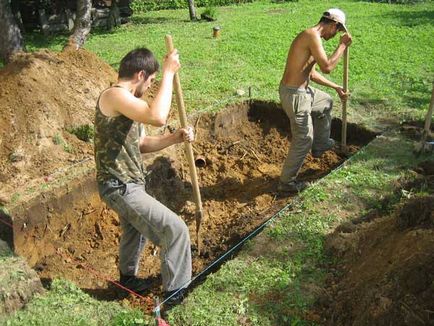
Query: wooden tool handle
{"points": [[345, 102], [188, 146], [428, 117]]}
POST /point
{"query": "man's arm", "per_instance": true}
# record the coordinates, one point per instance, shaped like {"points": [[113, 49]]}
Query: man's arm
{"points": [[125, 103], [162, 102], [316, 77], [149, 144], [321, 80], [327, 64]]}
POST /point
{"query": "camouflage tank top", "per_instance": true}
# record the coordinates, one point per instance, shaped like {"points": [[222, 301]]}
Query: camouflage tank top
{"points": [[117, 153]]}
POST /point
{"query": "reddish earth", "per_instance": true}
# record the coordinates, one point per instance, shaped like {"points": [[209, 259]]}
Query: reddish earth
{"points": [[386, 263], [65, 230]]}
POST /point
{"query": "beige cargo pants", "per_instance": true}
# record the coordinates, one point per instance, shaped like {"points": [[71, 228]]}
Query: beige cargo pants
{"points": [[142, 217], [309, 111]]}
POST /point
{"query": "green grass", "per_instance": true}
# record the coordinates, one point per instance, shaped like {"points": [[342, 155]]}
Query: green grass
{"points": [[391, 59], [65, 304], [278, 276], [274, 279]]}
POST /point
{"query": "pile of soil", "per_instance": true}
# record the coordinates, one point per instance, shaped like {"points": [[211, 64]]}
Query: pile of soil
{"points": [[387, 264], [42, 95]]}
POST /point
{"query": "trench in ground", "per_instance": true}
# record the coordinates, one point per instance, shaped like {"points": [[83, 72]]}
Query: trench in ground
{"points": [[63, 233]]}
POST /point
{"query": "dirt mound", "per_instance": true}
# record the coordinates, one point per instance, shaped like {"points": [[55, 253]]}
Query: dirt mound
{"points": [[42, 95], [387, 266]]}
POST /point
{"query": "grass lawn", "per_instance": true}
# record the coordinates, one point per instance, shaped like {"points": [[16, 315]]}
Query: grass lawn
{"points": [[391, 59], [391, 69]]}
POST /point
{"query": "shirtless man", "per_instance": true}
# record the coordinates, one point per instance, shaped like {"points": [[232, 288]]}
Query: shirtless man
{"points": [[308, 108]]}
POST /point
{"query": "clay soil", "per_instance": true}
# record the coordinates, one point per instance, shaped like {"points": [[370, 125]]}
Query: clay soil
{"points": [[386, 270], [44, 94]]}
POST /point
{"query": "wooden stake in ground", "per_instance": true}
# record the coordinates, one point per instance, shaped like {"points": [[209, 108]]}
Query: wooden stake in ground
{"points": [[188, 146], [423, 146], [345, 102]]}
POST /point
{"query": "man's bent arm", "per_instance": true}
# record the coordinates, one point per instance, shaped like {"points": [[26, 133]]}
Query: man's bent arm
{"points": [[162, 102], [149, 144], [325, 64], [321, 80]]}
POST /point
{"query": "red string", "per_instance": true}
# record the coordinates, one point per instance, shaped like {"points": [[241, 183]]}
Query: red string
{"points": [[8, 224], [100, 275], [91, 269]]}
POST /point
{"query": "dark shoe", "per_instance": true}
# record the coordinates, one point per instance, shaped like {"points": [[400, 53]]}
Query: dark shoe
{"points": [[330, 145], [135, 284], [291, 187], [173, 298]]}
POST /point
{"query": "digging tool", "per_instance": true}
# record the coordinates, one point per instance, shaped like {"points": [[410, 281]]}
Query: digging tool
{"points": [[424, 146], [188, 146], [345, 101]]}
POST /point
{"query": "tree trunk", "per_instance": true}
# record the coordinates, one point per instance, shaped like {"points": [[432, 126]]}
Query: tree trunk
{"points": [[192, 10], [11, 40], [82, 24]]}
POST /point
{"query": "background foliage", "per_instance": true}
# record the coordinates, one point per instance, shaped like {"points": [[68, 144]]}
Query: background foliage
{"points": [[147, 5]]}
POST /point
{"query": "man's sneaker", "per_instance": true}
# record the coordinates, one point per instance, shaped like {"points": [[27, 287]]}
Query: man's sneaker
{"points": [[173, 298], [329, 145], [291, 187], [135, 284]]}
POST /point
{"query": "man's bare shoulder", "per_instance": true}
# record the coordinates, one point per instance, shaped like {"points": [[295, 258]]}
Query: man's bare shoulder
{"points": [[306, 37], [311, 34], [110, 99]]}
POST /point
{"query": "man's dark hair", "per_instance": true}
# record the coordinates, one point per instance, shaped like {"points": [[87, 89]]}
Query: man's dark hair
{"points": [[136, 61], [325, 20]]}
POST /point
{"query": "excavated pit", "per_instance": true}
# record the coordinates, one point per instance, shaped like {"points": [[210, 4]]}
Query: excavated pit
{"points": [[70, 233]]}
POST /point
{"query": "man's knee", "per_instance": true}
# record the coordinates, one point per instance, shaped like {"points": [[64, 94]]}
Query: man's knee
{"points": [[304, 141], [178, 228]]}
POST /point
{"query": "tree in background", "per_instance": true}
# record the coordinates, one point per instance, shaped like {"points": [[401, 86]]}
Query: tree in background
{"points": [[11, 40], [82, 24], [192, 10]]}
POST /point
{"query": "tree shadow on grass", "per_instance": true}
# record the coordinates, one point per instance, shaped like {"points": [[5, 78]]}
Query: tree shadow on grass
{"points": [[38, 40], [412, 19], [139, 20]]}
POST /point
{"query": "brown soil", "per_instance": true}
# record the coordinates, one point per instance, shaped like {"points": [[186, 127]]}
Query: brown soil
{"points": [[70, 233], [243, 154], [41, 95], [387, 265]]}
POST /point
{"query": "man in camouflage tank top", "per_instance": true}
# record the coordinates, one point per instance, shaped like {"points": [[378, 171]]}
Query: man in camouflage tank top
{"points": [[119, 142]]}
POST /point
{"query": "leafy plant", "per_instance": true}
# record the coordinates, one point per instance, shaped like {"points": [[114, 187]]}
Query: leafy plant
{"points": [[210, 13], [58, 140], [83, 132]]}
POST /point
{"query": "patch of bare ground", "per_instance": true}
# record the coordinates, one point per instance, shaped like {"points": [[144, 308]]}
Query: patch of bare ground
{"points": [[386, 264]]}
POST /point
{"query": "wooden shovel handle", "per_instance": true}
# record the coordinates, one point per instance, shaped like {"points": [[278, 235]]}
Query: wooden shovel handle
{"points": [[188, 146], [345, 102]]}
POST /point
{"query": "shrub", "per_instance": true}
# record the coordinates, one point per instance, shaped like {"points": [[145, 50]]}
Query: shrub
{"points": [[148, 5], [83, 132], [210, 13]]}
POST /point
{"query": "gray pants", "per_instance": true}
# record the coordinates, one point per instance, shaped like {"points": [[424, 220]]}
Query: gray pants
{"points": [[142, 217], [309, 114]]}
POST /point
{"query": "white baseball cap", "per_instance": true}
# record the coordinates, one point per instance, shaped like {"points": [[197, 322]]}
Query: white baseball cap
{"points": [[336, 15]]}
